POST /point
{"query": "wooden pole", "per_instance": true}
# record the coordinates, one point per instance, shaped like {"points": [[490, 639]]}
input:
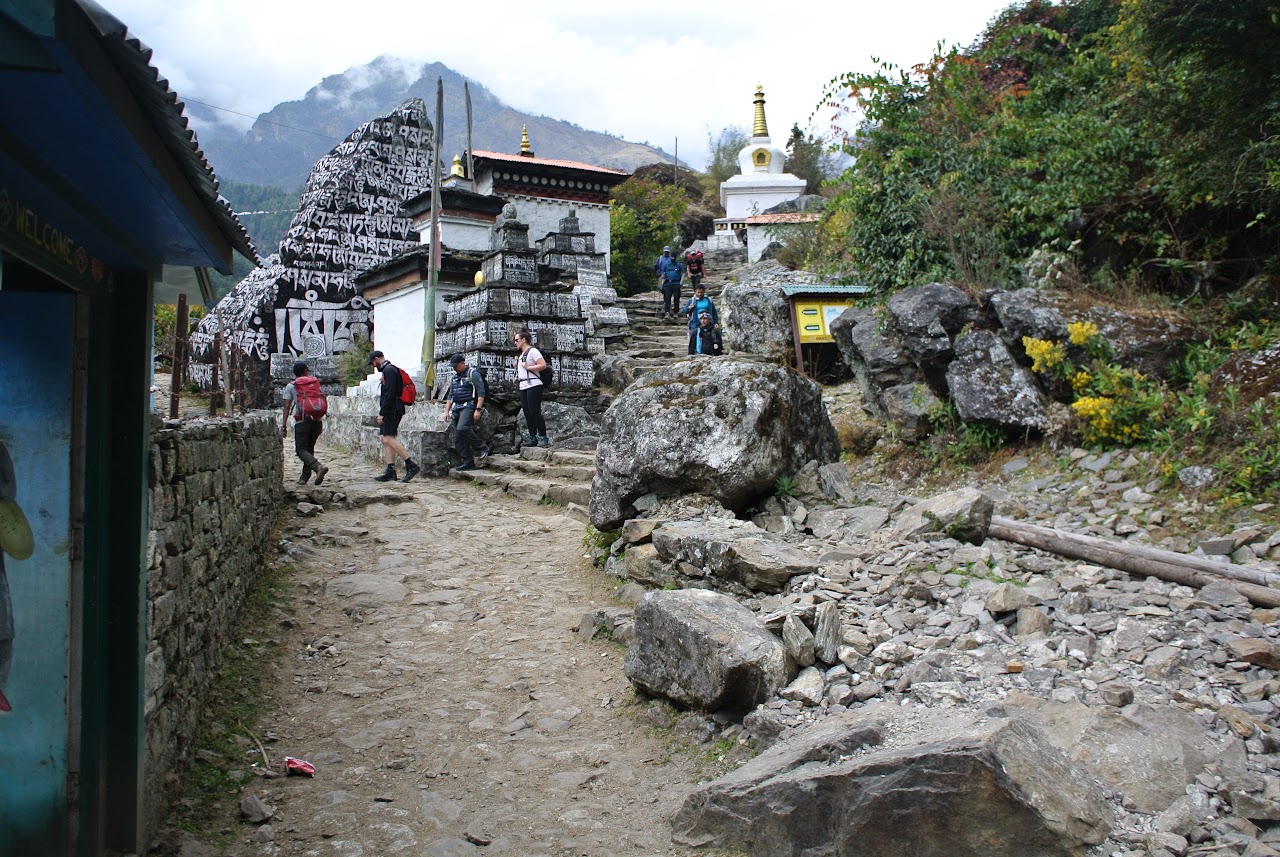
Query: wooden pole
{"points": [[179, 354], [429, 300], [1138, 559]]}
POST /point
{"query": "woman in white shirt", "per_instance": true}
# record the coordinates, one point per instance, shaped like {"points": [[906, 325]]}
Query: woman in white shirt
{"points": [[529, 363]]}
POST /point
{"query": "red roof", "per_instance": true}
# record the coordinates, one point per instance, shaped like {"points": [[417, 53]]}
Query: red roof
{"points": [[549, 162]]}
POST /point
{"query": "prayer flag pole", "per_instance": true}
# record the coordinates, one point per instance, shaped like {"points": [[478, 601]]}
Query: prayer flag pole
{"points": [[429, 305]]}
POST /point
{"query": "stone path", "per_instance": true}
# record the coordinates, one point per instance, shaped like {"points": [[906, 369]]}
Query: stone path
{"points": [[436, 681]]}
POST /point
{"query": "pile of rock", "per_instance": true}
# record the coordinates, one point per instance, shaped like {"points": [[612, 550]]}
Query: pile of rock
{"points": [[967, 690], [933, 343]]}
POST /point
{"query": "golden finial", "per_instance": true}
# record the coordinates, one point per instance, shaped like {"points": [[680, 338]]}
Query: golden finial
{"points": [[759, 128], [456, 169], [524, 140]]}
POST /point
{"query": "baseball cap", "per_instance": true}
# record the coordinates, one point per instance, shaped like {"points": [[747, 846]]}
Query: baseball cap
{"points": [[666, 249], [456, 358], [375, 354]]}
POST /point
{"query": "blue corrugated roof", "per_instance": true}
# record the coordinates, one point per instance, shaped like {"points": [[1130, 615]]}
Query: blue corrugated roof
{"points": [[821, 289]]}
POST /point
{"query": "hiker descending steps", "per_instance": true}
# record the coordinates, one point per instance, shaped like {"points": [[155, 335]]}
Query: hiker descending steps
{"points": [[397, 392]]}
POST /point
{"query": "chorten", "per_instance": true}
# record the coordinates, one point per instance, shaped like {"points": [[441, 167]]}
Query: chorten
{"points": [[761, 183]]}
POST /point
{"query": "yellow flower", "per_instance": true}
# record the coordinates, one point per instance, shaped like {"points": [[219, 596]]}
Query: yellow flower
{"points": [[1043, 353], [1081, 332]]}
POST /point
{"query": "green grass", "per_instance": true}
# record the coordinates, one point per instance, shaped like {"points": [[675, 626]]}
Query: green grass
{"points": [[242, 695]]}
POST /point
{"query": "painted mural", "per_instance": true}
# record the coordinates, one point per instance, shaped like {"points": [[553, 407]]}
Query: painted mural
{"points": [[35, 569], [302, 302]]}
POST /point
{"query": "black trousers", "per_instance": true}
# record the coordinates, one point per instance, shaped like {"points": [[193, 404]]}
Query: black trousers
{"points": [[305, 435], [531, 403]]}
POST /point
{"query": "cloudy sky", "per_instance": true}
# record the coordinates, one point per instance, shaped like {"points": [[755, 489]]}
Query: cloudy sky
{"points": [[652, 72]]}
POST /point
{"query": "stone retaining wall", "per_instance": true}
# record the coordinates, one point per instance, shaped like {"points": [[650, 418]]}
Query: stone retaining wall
{"points": [[216, 491]]}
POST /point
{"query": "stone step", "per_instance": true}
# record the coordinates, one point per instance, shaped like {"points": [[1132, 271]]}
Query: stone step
{"points": [[543, 469], [581, 457], [529, 488]]}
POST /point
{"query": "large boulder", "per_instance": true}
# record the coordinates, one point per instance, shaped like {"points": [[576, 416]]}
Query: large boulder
{"points": [[704, 650], [757, 320], [989, 387], [726, 428], [876, 354], [733, 550], [927, 317], [989, 786], [567, 421], [964, 515], [1148, 753]]}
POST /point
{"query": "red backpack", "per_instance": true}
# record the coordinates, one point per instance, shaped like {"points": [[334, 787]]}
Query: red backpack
{"points": [[313, 404], [408, 392]]}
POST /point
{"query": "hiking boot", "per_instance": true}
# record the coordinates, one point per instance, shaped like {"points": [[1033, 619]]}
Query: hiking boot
{"points": [[484, 453], [305, 477], [411, 470], [389, 476], [530, 440], [465, 467], [320, 474], [543, 440]]}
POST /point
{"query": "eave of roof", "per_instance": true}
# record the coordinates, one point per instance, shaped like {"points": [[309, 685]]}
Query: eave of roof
{"points": [[164, 110], [548, 162]]}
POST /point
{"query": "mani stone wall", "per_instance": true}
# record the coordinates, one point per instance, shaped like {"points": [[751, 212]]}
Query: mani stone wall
{"points": [[216, 491]]}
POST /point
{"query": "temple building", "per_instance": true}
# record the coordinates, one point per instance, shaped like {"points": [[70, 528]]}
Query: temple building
{"points": [[551, 195], [546, 191], [760, 184]]}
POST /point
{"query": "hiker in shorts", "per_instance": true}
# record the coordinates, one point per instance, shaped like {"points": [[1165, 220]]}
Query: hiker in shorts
{"points": [[306, 431], [390, 412], [466, 404]]}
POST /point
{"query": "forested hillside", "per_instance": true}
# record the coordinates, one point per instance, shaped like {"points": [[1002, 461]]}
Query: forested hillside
{"points": [[1118, 152], [1127, 142], [265, 213]]}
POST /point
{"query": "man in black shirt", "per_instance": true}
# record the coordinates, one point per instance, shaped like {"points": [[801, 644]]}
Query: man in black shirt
{"points": [[390, 412]]}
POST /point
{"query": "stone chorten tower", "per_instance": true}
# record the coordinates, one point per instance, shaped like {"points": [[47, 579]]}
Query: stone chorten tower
{"points": [[761, 184]]}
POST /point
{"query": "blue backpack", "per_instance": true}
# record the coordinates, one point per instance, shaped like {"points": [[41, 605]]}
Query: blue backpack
{"points": [[673, 273]]}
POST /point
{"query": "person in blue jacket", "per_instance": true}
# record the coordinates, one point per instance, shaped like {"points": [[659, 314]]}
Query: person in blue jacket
{"points": [[697, 305]]}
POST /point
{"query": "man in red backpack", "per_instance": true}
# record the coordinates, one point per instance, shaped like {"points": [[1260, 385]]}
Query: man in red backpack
{"points": [[390, 412], [305, 405]]}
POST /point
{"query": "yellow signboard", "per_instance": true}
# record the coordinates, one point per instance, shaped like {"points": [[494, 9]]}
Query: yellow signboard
{"points": [[814, 317]]}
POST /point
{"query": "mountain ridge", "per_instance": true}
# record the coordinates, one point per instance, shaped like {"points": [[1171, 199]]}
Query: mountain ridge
{"points": [[283, 143]]}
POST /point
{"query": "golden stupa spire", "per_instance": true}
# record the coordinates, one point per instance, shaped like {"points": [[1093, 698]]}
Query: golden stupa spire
{"points": [[759, 128], [524, 139], [456, 169]]}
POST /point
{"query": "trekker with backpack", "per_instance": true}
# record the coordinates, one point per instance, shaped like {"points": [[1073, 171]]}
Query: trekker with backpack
{"points": [[697, 305], [670, 273], [307, 404], [397, 392], [530, 366], [466, 403], [694, 266]]}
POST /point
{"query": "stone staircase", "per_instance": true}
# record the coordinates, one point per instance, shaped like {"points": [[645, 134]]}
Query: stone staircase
{"points": [[563, 475]]}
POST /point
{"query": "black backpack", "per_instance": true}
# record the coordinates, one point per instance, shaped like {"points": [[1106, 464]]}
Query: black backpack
{"points": [[546, 375]]}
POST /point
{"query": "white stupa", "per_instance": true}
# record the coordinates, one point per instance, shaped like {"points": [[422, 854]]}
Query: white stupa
{"points": [[760, 184]]}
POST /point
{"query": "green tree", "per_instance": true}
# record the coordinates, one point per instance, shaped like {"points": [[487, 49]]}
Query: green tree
{"points": [[810, 159], [722, 163], [645, 216]]}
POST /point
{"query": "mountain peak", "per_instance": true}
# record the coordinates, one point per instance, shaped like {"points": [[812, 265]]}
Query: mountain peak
{"points": [[284, 142]]}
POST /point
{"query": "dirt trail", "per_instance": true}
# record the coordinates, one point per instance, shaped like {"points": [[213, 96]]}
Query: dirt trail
{"points": [[445, 699]]}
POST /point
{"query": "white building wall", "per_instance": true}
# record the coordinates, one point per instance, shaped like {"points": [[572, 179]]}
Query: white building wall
{"points": [[398, 324], [743, 196], [544, 216]]}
